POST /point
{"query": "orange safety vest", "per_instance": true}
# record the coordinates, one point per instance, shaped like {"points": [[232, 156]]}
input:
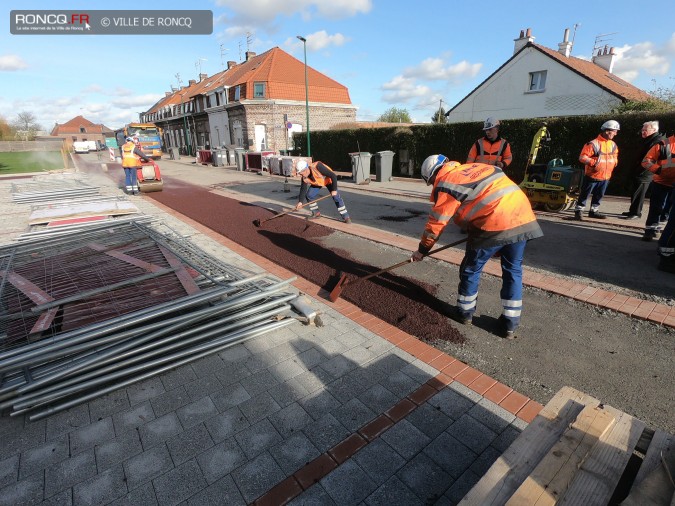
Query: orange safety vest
{"points": [[316, 178], [129, 158], [485, 151], [484, 201], [659, 160], [600, 157]]}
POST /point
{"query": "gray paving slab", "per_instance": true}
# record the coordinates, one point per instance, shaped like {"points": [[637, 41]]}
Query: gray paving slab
{"points": [[133, 417], [159, 430], [69, 472], [224, 491], [170, 401], [380, 461], [147, 466], [220, 460], [9, 470], [40, 457], [109, 404], [361, 485], [26, 491], [179, 484], [140, 496], [91, 435], [394, 491], [294, 452], [189, 443], [116, 451], [257, 476], [226, 424], [257, 438], [196, 412], [103, 488]]}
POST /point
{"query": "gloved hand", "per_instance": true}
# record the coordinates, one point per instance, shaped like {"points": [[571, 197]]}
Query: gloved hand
{"points": [[298, 205], [416, 256]]}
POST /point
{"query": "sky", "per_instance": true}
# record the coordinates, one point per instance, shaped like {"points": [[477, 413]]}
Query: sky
{"points": [[417, 56]]}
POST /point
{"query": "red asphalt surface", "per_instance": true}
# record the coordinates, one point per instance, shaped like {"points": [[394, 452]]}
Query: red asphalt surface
{"points": [[296, 245]]}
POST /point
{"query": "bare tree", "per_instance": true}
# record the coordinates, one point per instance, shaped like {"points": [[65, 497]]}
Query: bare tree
{"points": [[26, 126]]}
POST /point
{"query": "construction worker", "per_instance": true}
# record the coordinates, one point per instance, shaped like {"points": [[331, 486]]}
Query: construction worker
{"points": [[491, 148], [666, 248], [499, 221], [314, 177], [659, 161], [643, 178], [599, 156], [131, 160]]}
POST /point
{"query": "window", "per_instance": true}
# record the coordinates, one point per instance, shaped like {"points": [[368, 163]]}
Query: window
{"points": [[258, 90], [537, 81], [83, 130], [237, 93]]}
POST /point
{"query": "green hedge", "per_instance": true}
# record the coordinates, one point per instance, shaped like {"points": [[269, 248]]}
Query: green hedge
{"points": [[568, 135]]}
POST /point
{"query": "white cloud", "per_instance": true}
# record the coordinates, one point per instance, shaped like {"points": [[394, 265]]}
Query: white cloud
{"points": [[410, 85], [11, 63], [435, 69], [402, 89], [254, 12], [647, 57], [316, 41], [142, 101]]}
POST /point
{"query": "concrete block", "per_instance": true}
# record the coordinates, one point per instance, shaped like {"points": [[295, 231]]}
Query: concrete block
{"points": [[360, 484], [294, 452], [326, 432], [451, 403], [25, 491], [290, 419], [491, 415], [449, 453], [202, 387], [221, 460], [259, 382], [224, 491], [259, 407], [141, 496], [169, 401], [118, 450], [147, 466], [67, 421], [134, 417], [230, 396], [257, 476], [354, 414], [258, 438], [159, 430], [69, 472], [226, 424], [109, 404], [145, 390], [425, 478], [380, 461], [179, 484], [91, 435], [189, 443], [472, 433], [393, 491], [178, 377], [9, 470], [406, 439], [101, 489], [197, 412], [43, 456]]}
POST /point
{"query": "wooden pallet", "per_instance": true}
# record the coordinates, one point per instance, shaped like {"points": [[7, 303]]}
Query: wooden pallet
{"points": [[579, 451]]}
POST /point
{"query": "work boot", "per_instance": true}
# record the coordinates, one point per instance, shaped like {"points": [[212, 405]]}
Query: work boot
{"points": [[461, 317], [578, 216], [597, 215], [314, 216], [504, 330], [347, 220], [630, 216], [650, 235]]}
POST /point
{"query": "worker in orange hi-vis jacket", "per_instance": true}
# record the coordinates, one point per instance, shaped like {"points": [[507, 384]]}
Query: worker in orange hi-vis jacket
{"points": [[600, 157], [498, 218], [660, 160], [491, 148]]}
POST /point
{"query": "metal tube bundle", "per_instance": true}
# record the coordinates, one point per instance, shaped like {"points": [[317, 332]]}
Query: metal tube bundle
{"points": [[84, 314]]}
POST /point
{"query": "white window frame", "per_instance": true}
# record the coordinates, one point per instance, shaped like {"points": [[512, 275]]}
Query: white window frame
{"points": [[537, 81], [257, 85]]}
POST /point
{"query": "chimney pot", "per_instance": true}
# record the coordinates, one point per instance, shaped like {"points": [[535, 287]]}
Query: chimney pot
{"points": [[249, 55], [529, 32], [231, 64], [191, 82]]}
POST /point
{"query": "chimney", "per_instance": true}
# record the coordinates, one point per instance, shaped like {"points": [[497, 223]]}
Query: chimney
{"points": [[249, 55], [565, 47], [524, 39], [191, 82], [168, 93], [231, 64], [202, 77], [605, 58]]}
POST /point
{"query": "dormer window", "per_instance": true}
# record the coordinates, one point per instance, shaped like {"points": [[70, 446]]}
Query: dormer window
{"points": [[237, 93], [537, 81], [258, 90]]}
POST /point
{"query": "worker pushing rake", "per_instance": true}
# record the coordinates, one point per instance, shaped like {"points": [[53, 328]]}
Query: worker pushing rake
{"points": [[315, 176]]}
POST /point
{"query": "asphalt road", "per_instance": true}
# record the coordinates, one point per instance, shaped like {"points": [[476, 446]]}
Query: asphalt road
{"points": [[626, 362]]}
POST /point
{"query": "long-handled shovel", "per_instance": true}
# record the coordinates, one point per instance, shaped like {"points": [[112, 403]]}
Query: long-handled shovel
{"points": [[257, 223], [342, 282]]}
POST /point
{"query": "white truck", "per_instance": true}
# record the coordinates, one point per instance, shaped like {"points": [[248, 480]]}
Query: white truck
{"points": [[81, 146]]}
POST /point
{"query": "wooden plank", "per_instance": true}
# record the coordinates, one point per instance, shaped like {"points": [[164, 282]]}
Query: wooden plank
{"points": [[75, 211], [599, 474], [550, 478], [653, 483], [517, 462]]}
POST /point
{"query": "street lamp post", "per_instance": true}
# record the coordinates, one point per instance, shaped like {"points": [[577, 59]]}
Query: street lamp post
{"points": [[304, 43], [187, 133]]}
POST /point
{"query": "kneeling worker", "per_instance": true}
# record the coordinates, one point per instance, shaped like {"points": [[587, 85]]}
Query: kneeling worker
{"points": [[314, 177], [498, 218]]}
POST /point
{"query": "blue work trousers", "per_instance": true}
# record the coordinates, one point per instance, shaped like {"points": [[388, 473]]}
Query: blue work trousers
{"points": [[511, 256], [593, 187], [313, 193], [130, 179]]}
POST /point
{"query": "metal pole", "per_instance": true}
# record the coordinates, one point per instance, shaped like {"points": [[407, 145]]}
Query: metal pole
{"points": [[304, 43]]}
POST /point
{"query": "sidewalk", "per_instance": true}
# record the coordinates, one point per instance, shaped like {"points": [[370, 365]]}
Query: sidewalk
{"points": [[354, 412]]}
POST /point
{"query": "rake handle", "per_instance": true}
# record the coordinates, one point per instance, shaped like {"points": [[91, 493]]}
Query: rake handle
{"points": [[400, 264], [293, 210]]}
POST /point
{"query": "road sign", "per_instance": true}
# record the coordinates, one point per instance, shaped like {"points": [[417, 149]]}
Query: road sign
{"points": [[289, 125]]}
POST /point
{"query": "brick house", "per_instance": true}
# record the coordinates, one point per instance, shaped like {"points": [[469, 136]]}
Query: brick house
{"points": [[80, 129], [255, 104]]}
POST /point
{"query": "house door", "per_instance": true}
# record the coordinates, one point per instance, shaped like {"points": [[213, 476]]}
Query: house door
{"points": [[238, 134], [260, 138]]}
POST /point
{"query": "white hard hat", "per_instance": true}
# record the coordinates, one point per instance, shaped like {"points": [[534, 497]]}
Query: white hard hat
{"points": [[301, 165], [490, 123], [431, 165], [130, 139], [610, 125]]}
